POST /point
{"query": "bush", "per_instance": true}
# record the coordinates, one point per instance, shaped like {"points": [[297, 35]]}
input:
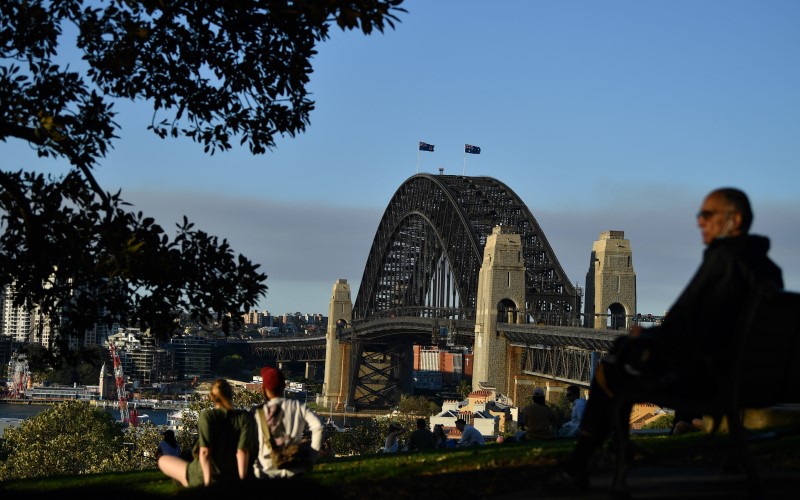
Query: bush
{"points": [[71, 437], [663, 422], [362, 440]]}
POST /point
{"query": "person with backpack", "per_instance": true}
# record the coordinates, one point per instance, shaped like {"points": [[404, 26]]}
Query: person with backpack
{"points": [[282, 449]]}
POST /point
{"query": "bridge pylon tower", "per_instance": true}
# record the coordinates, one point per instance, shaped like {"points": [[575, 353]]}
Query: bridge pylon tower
{"points": [[336, 388], [501, 298], [610, 283]]}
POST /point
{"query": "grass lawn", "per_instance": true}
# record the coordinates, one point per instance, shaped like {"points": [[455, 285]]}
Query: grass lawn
{"points": [[494, 469]]}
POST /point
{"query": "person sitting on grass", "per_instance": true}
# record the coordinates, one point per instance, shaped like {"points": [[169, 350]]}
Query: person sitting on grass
{"points": [[538, 418], [470, 436], [422, 438], [570, 428], [391, 444], [224, 440]]}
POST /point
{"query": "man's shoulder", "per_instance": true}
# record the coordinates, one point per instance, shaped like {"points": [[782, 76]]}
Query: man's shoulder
{"points": [[290, 403], [418, 434]]}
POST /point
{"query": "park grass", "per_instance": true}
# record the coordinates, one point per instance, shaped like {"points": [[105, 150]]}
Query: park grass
{"points": [[491, 470]]}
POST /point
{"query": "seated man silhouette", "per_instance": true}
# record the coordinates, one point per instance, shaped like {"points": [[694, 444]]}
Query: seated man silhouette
{"points": [[677, 356]]}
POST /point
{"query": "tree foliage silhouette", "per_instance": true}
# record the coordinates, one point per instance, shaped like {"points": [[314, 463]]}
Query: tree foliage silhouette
{"points": [[219, 72]]}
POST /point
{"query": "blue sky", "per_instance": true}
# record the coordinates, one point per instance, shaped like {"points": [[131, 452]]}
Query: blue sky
{"points": [[600, 115]]}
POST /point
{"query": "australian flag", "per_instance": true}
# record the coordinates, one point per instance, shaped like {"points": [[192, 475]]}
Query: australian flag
{"points": [[469, 148], [424, 146]]}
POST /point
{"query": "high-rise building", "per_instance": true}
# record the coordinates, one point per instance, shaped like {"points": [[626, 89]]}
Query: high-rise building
{"points": [[192, 355], [17, 321], [31, 326]]}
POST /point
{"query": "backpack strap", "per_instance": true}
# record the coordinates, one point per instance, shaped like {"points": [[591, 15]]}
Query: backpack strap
{"points": [[262, 415]]}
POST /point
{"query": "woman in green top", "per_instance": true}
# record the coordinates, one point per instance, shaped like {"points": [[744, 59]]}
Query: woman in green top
{"points": [[224, 441]]}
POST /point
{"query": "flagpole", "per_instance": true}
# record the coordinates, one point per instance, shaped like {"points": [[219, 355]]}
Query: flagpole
{"points": [[417, 160], [465, 161]]}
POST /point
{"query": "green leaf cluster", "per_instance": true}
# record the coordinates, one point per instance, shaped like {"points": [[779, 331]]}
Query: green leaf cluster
{"points": [[72, 437], [664, 421], [218, 72]]}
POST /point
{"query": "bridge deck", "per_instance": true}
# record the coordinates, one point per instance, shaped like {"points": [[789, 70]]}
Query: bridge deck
{"points": [[559, 336]]}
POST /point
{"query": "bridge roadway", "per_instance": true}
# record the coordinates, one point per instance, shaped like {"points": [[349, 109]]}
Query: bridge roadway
{"points": [[554, 352], [305, 348], [302, 348], [561, 353], [587, 339]]}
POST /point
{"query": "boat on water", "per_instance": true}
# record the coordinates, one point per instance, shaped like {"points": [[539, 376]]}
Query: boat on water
{"points": [[175, 419], [9, 422]]}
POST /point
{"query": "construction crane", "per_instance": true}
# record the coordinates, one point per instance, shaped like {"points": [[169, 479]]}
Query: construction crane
{"points": [[119, 381]]}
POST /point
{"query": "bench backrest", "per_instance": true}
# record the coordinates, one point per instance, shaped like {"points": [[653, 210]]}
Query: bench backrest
{"points": [[769, 354]]}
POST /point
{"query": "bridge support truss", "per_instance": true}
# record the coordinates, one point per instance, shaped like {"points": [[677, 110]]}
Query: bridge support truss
{"points": [[384, 371], [570, 365]]}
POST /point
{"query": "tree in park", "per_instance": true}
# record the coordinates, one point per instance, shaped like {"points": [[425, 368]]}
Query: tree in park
{"points": [[69, 438], [412, 407], [222, 73]]}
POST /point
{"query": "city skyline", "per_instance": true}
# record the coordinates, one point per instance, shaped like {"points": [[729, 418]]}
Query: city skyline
{"points": [[612, 116]]}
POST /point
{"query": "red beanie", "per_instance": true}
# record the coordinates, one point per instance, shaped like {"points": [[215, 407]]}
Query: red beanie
{"points": [[273, 379]]}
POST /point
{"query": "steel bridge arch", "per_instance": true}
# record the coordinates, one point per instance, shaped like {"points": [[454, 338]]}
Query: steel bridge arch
{"points": [[428, 250], [425, 262]]}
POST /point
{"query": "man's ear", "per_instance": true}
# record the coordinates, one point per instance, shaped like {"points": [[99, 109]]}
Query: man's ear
{"points": [[736, 219]]}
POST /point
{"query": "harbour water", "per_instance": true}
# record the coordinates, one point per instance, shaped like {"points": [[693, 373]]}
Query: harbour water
{"points": [[12, 414]]}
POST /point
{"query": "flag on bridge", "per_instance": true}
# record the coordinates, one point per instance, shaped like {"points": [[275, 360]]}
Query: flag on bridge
{"points": [[470, 149], [423, 146]]}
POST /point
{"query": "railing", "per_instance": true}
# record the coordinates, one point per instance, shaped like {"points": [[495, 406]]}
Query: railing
{"points": [[419, 312]]}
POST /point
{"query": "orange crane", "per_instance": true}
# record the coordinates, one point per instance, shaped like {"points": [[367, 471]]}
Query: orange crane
{"points": [[119, 381]]}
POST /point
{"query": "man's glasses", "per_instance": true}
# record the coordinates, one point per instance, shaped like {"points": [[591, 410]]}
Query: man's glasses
{"points": [[707, 214]]}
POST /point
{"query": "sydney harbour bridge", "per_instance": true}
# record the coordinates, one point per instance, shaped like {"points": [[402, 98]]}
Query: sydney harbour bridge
{"points": [[422, 286]]}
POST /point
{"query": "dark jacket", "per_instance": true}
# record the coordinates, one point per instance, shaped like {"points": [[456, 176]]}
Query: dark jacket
{"points": [[421, 439], [707, 311]]}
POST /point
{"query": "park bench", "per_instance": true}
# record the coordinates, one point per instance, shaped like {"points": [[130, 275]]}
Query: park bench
{"points": [[762, 371]]}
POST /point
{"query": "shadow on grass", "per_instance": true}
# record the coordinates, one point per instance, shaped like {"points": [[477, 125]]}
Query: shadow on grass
{"points": [[485, 472]]}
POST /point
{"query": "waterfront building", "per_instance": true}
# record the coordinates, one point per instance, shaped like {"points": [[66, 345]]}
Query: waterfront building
{"points": [[475, 411], [55, 393], [192, 357], [436, 368]]}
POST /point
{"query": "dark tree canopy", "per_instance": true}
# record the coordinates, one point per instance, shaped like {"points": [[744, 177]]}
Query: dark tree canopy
{"points": [[224, 73]]}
